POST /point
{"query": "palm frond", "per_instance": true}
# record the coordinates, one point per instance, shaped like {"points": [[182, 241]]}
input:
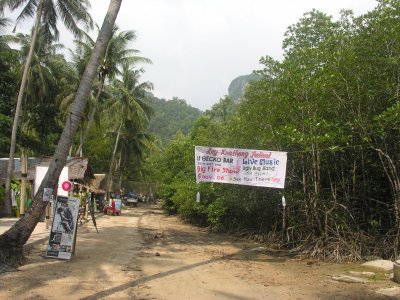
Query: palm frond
{"points": [[4, 22], [28, 11], [73, 12]]}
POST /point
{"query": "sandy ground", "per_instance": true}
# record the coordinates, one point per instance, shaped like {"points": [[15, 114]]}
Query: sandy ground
{"points": [[144, 254]]}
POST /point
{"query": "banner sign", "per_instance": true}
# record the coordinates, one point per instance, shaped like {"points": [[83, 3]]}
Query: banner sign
{"points": [[63, 229], [241, 166]]}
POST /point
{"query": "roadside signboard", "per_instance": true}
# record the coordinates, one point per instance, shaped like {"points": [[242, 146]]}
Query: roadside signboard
{"points": [[241, 166], [63, 230]]}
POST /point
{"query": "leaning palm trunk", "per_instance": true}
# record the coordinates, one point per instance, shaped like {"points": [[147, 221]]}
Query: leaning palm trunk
{"points": [[89, 125], [12, 241], [108, 185], [24, 79]]}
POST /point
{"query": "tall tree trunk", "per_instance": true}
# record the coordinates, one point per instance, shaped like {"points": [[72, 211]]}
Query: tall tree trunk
{"points": [[89, 125], [120, 173], [24, 173], [390, 167], [12, 241], [111, 164], [13, 142]]}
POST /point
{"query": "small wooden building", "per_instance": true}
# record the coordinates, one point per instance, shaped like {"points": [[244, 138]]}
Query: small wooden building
{"points": [[79, 170]]}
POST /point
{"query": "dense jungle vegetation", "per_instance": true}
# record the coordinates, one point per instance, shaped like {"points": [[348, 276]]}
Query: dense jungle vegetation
{"points": [[118, 96], [332, 104]]}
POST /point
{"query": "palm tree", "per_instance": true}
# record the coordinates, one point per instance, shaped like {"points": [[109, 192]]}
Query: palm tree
{"points": [[129, 107], [9, 66], [74, 70], [71, 12], [70, 75], [12, 241], [134, 143], [4, 21], [79, 59], [43, 83], [117, 54]]}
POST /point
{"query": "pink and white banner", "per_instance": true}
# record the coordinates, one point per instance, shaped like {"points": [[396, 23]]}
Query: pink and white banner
{"points": [[241, 166]]}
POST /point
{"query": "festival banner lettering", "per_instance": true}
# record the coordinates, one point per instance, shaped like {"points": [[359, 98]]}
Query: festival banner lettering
{"points": [[241, 166]]}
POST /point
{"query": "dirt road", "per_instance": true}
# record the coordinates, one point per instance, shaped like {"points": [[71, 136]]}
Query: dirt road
{"points": [[144, 254]]}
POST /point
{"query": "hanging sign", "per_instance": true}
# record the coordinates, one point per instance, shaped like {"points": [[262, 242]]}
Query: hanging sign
{"points": [[241, 166]]}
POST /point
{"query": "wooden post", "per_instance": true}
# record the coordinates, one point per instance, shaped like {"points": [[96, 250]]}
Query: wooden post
{"points": [[24, 175], [81, 140], [74, 242], [86, 205], [48, 216], [284, 213]]}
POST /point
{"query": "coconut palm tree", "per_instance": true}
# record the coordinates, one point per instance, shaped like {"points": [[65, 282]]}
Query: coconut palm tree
{"points": [[3, 22], [135, 141], [117, 54], [129, 107], [72, 12], [12, 241], [74, 70], [44, 82], [9, 66], [70, 75]]}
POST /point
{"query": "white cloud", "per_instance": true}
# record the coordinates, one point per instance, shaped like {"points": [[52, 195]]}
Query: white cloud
{"points": [[199, 46]]}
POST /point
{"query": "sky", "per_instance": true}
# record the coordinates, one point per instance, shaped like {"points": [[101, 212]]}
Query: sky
{"points": [[199, 46]]}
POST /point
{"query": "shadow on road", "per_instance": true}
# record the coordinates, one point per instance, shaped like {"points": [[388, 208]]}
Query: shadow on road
{"points": [[136, 282]]}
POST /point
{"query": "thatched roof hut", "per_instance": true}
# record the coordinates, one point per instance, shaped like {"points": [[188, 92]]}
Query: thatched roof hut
{"points": [[79, 169], [98, 183]]}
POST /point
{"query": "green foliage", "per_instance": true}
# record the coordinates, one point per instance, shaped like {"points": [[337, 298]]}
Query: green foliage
{"points": [[170, 117], [184, 200], [71, 12], [99, 148], [333, 104], [8, 78], [237, 87], [5, 129], [217, 213], [40, 118], [8, 87]]}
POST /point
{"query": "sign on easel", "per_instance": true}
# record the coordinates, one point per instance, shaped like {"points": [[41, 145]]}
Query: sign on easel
{"points": [[63, 230]]}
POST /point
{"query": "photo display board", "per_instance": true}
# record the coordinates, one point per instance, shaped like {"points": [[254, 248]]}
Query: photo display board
{"points": [[241, 166], [63, 229]]}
